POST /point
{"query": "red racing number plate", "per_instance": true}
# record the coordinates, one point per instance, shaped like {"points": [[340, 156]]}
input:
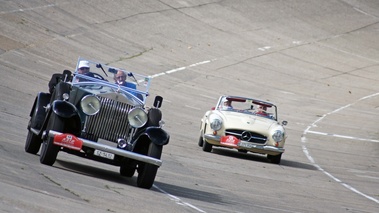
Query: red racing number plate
{"points": [[68, 141], [229, 140]]}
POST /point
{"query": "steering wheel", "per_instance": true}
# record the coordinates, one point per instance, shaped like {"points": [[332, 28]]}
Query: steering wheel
{"points": [[98, 76]]}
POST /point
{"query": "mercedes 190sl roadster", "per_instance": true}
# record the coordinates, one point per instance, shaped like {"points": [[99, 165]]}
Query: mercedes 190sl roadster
{"points": [[98, 112], [245, 124]]}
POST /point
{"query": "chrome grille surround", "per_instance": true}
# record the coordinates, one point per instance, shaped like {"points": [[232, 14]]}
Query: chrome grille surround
{"points": [[111, 123], [248, 136]]}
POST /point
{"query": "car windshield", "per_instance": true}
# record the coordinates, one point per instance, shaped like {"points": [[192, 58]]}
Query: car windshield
{"points": [[247, 106], [111, 82]]}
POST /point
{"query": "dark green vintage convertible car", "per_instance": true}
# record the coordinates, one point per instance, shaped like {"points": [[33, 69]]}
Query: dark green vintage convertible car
{"points": [[98, 112]]}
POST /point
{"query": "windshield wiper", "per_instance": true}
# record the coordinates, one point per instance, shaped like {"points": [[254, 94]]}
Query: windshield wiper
{"points": [[130, 74], [99, 66]]}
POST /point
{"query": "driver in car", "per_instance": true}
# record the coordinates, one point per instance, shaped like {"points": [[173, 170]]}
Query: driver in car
{"points": [[84, 69], [227, 105]]}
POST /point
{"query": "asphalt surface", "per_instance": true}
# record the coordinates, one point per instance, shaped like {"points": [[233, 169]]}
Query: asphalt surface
{"points": [[318, 61]]}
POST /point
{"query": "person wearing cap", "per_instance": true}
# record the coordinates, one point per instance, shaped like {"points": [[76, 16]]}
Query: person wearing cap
{"points": [[84, 69], [226, 104]]}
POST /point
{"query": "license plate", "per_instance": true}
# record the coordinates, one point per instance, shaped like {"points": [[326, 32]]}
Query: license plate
{"points": [[246, 144], [104, 154]]}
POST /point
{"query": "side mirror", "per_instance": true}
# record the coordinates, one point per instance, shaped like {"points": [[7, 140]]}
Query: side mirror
{"points": [[158, 101], [284, 123]]}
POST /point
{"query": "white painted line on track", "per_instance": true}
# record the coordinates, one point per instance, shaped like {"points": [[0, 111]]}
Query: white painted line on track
{"points": [[157, 75], [264, 48], [178, 200], [343, 136], [175, 70], [181, 68], [311, 159]]}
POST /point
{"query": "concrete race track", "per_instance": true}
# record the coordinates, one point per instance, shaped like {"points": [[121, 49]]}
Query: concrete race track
{"points": [[318, 61]]}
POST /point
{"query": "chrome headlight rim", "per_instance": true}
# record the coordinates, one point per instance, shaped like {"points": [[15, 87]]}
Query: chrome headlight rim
{"points": [[215, 122], [90, 104], [278, 136], [137, 117]]}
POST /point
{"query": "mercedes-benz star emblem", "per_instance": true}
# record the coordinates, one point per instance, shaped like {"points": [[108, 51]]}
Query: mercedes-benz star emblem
{"points": [[245, 136]]}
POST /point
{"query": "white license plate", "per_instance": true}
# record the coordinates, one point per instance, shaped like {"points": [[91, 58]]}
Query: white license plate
{"points": [[246, 144], [104, 154]]}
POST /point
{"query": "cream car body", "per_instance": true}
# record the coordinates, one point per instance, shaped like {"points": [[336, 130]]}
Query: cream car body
{"points": [[244, 127]]}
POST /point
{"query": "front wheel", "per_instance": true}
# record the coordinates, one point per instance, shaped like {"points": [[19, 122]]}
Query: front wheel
{"points": [[207, 147], [33, 143], [147, 172], [127, 169], [49, 151], [201, 141], [274, 158]]}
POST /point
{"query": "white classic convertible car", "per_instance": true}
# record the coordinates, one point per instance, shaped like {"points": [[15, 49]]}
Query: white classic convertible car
{"points": [[245, 124]]}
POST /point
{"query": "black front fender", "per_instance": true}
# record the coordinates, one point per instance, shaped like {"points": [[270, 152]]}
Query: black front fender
{"points": [[38, 112], [64, 109], [154, 134], [157, 135], [70, 115]]}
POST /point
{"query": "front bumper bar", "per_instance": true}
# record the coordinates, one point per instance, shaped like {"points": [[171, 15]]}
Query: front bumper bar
{"points": [[254, 146], [114, 150]]}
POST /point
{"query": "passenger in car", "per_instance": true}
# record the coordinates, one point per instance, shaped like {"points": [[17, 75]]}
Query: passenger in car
{"points": [[120, 79], [261, 110]]}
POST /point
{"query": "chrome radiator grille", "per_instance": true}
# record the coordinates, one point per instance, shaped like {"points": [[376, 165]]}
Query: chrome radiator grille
{"points": [[248, 136], [110, 123]]}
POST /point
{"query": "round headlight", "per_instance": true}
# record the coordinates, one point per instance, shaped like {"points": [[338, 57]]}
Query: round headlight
{"points": [[277, 136], [137, 117], [215, 122], [90, 104]]}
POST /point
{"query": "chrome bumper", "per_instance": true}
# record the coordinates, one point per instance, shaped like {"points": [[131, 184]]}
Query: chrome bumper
{"points": [[114, 150], [254, 146]]}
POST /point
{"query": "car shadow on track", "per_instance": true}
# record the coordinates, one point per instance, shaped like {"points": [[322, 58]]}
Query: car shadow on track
{"points": [[108, 175], [260, 158], [92, 171], [190, 193]]}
